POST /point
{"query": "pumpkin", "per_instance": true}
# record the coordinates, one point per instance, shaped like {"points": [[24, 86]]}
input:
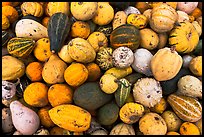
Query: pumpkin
{"points": [[149, 39], [71, 117], [122, 129], [63, 92], [126, 35], [44, 117], [122, 57], [53, 70], [83, 10], [142, 6], [190, 86], [119, 72], [187, 7], [42, 49], [80, 74], [197, 27], [196, 12], [80, 29], [5, 22], [10, 12], [34, 71], [54, 7], [131, 112], [90, 96], [108, 83], [147, 91], [186, 108], [122, 92], [163, 38], [104, 14], [184, 37], [14, 71], [188, 128], [163, 18], [58, 29], [35, 94], [97, 40], [138, 20], [119, 19], [108, 114], [64, 54], [182, 16], [80, 50], [165, 64], [196, 66], [45, 21], [104, 58], [32, 8], [20, 47], [94, 71]]}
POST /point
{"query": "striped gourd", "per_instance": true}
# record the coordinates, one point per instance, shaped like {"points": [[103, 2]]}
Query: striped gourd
{"points": [[122, 92], [20, 47], [186, 108], [58, 30], [5, 37], [126, 35]]}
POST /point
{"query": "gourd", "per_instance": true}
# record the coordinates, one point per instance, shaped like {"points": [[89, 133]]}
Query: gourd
{"points": [[182, 16], [165, 64], [9, 89], [198, 50], [122, 57], [163, 18], [186, 108], [138, 20], [7, 124], [94, 71], [122, 129], [54, 7], [106, 29], [187, 7], [123, 91], [58, 29], [142, 6], [163, 37], [83, 10], [131, 10], [126, 35], [190, 86], [76, 74], [119, 19], [199, 20], [31, 29], [10, 12], [70, 117], [147, 91], [44, 117], [184, 37], [5, 22], [188, 128], [14, 71], [108, 83], [64, 54], [160, 107], [53, 70], [118, 72], [141, 63], [32, 8], [80, 29], [131, 112], [149, 39], [104, 58], [80, 50], [42, 131], [90, 96], [20, 47], [197, 27], [195, 66]]}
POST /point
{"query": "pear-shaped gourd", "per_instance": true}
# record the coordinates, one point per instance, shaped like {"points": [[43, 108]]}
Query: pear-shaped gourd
{"points": [[25, 120], [31, 29], [53, 70]]}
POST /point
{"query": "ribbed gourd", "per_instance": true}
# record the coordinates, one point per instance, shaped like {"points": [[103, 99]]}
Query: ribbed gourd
{"points": [[58, 29], [20, 47]]}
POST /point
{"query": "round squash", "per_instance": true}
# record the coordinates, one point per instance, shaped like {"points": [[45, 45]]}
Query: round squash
{"points": [[108, 83], [12, 68], [84, 10], [32, 8], [10, 12], [184, 37], [149, 39], [34, 71], [196, 66], [188, 128], [80, 29], [76, 74], [80, 50], [126, 35], [187, 7], [94, 71], [54, 7], [165, 64], [35, 94], [138, 20], [163, 18]]}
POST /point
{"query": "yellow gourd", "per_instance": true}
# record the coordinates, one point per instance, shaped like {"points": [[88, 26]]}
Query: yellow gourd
{"points": [[32, 8], [195, 66]]}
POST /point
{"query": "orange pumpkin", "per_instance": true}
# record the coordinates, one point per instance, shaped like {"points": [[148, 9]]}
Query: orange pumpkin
{"points": [[94, 71], [10, 12]]}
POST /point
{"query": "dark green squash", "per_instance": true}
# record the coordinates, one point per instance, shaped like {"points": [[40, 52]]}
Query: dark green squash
{"points": [[170, 86], [90, 96], [58, 29], [126, 35], [198, 49], [108, 114], [123, 91], [20, 47]]}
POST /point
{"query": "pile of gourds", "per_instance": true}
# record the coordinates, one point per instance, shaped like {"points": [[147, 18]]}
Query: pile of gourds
{"points": [[102, 68]]}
